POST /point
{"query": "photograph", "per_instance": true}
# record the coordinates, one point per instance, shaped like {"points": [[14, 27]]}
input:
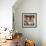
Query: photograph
{"points": [[29, 19]]}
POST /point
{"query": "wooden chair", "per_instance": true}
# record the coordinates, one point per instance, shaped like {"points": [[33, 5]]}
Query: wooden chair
{"points": [[29, 43], [18, 39]]}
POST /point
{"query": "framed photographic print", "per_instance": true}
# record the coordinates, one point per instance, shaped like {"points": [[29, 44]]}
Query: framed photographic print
{"points": [[29, 20]]}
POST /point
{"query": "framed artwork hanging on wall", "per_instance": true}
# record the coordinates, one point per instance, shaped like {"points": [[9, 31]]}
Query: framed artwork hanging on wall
{"points": [[29, 20]]}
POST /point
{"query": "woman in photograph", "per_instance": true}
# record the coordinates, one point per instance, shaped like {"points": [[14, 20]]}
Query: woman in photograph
{"points": [[30, 20]]}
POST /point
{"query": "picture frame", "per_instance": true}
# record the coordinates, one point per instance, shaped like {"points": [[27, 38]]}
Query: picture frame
{"points": [[29, 20]]}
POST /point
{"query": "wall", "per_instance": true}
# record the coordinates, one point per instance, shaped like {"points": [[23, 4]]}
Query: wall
{"points": [[43, 22], [28, 6], [6, 16], [6, 13]]}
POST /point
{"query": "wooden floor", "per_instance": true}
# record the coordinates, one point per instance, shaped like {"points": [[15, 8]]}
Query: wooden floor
{"points": [[9, 43]]}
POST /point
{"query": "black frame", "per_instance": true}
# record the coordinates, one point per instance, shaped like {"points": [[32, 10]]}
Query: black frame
{"points": [[29, 14]]}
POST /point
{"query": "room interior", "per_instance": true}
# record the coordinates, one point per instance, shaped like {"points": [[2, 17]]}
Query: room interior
{"points": [[14, 30]]}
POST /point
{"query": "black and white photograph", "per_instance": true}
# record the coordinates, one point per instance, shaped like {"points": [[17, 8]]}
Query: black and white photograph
{"points": [[29, 19]]}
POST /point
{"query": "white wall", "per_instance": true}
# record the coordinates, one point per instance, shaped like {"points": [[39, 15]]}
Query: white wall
{"points": [[39, 6], [28, 6], [6, 13], [43, 22]]}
